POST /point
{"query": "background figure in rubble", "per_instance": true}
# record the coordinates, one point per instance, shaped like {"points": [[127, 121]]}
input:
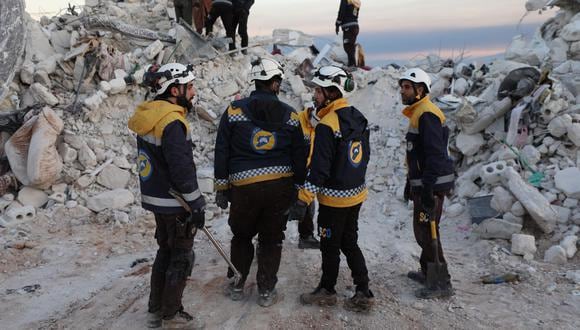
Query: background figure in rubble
{"points": [[308, 121], [183, 9], [241, 13], [201, 9], [165, 161], [225, 10], [336, 177], [430, 172], [259, 159], [348, 20]]}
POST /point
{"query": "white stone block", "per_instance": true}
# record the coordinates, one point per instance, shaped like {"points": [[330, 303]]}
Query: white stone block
{"points": [[568, 181], [469, 145], [113, 199], [32, 197], [569, 245], [556, 255], [523, 244]]}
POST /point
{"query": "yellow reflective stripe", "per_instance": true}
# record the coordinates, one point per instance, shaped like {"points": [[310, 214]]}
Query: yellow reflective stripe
{"points": [[261, 178], [341, 202]]}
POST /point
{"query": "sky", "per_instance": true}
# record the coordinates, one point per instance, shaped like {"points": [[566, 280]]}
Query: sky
{"points": [[392, 30]]}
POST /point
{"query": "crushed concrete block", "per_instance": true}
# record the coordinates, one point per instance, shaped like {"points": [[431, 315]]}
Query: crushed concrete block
{"points": [[466, 189], [20, 214], [569, 245], [58, 197], [118, 85], [497, 228], [226, 89], [113, 177], [42, 95], [87, 157], [153, 49], [469, 145], [537, 206], [531, 155], [518, 210], [67, 153], [454, 210], [523, 244], [509, 217], [32, 197], [556, 255], [558, 126], [113, 199], [568, 181], [502, 201], [27, 73], [563, 213], [492, 173]]}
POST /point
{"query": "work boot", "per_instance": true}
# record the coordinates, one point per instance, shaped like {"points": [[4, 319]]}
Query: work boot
{"points": [[435, 292], [154, 320], [320, 296], [417, 276], [182, 320], [235, 292], [309, 242], [268, 298], [361, 302]]}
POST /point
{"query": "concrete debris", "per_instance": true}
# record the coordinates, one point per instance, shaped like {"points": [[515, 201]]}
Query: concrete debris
{"points": [[113, 199], [568, 181], [32, 197], [497, 228], [523, 244], [555, 255]]}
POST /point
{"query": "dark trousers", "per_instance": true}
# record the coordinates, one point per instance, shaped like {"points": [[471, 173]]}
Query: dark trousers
{"points": [[259, 209], [422, 230], [338, 230], [183, 9], [349, 35], [306, 226], [227, 15], [240, 22], [173, 263]]}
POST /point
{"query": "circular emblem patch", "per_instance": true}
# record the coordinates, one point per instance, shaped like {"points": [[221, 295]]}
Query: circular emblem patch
{"points": [[409, 146], [355, 153], [145, 166], [263, 141]]}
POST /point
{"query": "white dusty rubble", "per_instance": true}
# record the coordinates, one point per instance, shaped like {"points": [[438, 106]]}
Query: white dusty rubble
{"points": [[80, 218]]}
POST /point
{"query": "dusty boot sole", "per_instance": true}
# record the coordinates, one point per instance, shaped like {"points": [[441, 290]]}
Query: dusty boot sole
{"points": [[269, 302], [417, 277], [434, 294], [322, 302], [351, 307]]}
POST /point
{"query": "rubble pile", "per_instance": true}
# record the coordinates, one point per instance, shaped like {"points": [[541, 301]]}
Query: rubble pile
{"points": [[79, 80], [516, 135]]}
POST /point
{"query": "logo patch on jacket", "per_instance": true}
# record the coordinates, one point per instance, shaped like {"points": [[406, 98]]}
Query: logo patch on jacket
{"points": [[409, 146], [263, 141], [145, 166], [355, 153]]}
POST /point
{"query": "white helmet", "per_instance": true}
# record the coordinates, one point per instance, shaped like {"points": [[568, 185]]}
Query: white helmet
{"points": [[265, 69], [173, 73], [417, 76], [330, 75]]}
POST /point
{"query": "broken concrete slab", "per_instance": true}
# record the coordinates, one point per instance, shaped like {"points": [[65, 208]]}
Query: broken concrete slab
{"points": [[502, 200], [497, 228], [32, 197], [523, 244], [113, 177], [113, 199], [556, 255], [536, 205], [568, 181], [469, 145], [569, 245]]}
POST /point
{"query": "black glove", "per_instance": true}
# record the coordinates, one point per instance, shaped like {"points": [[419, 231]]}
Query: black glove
{"points": [[197, 217], [427, 199], [297, 211], [336, 28], [407, 192], [222, 198]]}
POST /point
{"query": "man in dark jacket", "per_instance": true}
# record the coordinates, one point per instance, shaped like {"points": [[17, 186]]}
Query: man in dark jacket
{"points": [[259, 159], [348, 20], [240, 20], [430, 171], [165, 161], [336, 177], [225, 10]]}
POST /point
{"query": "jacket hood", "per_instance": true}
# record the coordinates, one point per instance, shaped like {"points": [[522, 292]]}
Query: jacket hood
{"points": [[265, 110], [148, 114]]}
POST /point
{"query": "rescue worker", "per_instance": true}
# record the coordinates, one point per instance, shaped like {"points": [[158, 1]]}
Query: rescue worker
{"points": [[348, 20], [259, 159], [336, 177], [183, 9], [240, 21], [165, 161], [308, 121], [225, 10], [430, 171], [201, 9]]}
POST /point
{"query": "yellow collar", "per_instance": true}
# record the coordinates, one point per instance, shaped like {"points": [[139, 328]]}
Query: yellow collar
{"points": [[333, 106], [408, 111]]}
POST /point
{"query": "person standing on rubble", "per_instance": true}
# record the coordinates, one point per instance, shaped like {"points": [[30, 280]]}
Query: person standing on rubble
{"points": [[430, 171], [240, 21], [336, 177], [201, 9], [165, 161], [348, 20], [260, 157], [308, 121], [225, 10], [183, 9]]}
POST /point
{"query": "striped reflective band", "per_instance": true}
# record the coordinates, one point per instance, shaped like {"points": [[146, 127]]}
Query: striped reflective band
{"points": [[170, 202], [440, 180]]}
